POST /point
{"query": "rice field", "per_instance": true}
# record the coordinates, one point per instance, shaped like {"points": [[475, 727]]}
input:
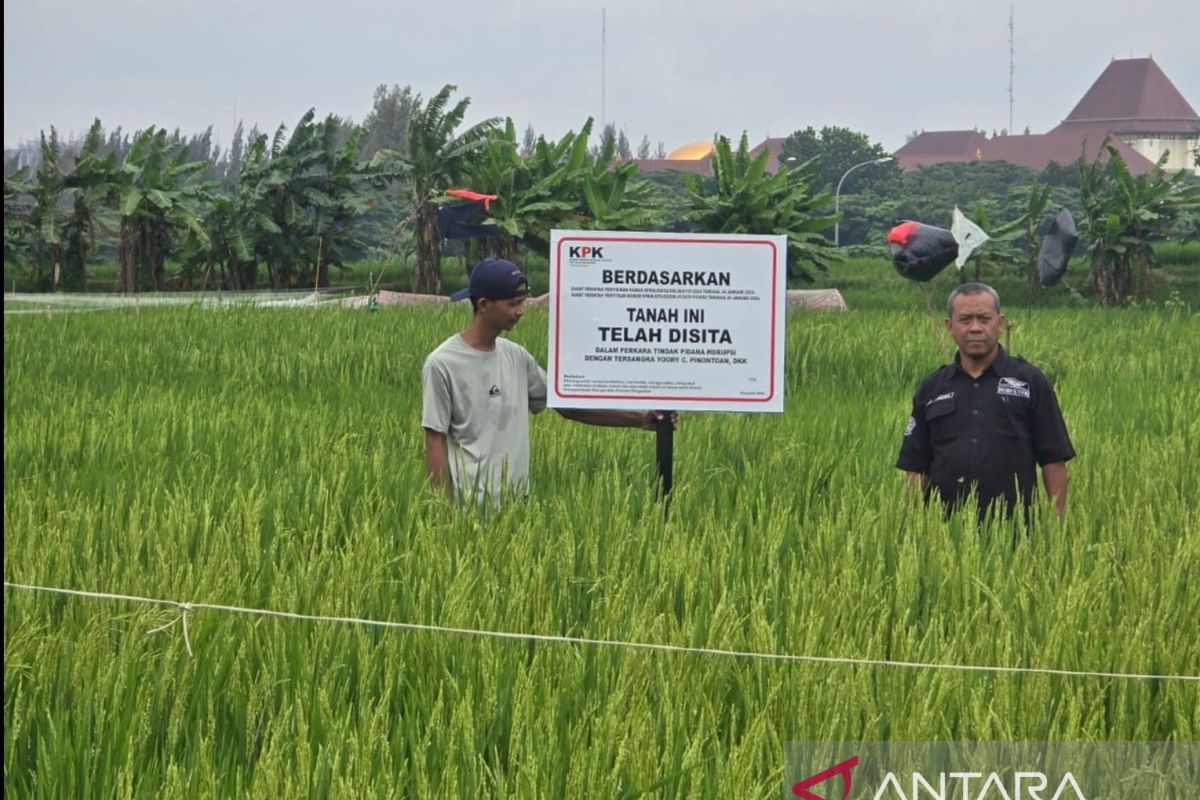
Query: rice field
{"points": [[272, 459]]}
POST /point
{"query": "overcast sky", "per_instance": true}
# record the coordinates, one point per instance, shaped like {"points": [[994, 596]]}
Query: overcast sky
{"points": [[678, 72]]}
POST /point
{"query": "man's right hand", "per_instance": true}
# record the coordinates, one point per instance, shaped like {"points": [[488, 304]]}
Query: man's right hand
{"points": [[437, 462]]}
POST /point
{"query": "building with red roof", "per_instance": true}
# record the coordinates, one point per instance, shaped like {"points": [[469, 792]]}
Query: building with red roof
{"points": [[937, 147], [1133, 105]]}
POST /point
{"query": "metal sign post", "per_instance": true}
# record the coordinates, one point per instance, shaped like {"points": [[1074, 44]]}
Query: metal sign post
{"points": [[665, 452]]}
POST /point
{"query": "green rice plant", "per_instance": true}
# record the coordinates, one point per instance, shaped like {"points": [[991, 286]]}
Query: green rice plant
{"points": [[271, 458]]}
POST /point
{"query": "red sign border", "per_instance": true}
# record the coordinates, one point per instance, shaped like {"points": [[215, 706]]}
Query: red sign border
{"points": [[652, 240]]}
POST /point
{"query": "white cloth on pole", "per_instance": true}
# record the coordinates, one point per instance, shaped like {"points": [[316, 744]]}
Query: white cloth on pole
{"points": [[967, 234]]}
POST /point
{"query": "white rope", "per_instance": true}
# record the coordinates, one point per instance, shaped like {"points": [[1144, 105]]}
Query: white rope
{"points": [[48, 311], [183, 615], [538, 637], [26, 303]]}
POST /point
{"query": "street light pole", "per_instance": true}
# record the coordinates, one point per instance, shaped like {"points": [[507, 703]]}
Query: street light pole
{"points": [[837, 193]]}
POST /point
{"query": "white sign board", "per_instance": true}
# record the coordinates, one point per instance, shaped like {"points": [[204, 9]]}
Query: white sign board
{"points": [[680, 321]]}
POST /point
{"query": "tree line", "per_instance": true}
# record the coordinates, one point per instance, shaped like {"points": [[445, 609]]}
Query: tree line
{"points": [[289, 207], [290, 204]]}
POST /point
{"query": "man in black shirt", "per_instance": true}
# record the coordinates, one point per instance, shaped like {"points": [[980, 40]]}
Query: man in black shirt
{"points": [[983, 421]]}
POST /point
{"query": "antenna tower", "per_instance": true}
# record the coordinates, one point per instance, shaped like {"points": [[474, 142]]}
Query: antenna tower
{"points": [[1011, 67], [603, 48]]}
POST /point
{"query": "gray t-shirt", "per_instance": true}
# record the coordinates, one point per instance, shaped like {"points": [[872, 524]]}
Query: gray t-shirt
{"points": [[482, 401]]}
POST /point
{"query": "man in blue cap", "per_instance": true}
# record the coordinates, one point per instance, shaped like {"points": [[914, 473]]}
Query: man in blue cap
{"points": [[479, 390]]}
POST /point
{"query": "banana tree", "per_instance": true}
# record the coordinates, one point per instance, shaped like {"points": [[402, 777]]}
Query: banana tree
{"points": [[614, 198], [298, 199], [249, 226], [91, 186], [560, 184], [286, 186], [155, 202], [534, 193], [500, 170], [224, 256], [17, 228], [1031, 223], [1124, 215], [45, 218], [1001, 249], [437, 158], [746, 199], [348, 189], [55, 230], [293, 207]]}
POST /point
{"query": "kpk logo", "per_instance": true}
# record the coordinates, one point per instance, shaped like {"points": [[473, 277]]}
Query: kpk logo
{"points": [[581, 254], [1030, 785]]}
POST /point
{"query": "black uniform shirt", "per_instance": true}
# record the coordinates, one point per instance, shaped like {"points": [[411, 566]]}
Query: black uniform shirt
{"points": [[986, 433]]}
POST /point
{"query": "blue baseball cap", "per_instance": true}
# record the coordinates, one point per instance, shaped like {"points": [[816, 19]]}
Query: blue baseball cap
{"points": [[494, 279]]}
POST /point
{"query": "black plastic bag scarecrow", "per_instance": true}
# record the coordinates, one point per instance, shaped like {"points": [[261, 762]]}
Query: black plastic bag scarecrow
{"points": [[1057, 246], [919, 251]]}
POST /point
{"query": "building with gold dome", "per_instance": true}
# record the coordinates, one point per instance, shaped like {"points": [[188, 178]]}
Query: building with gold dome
{"points": [[691, 152], [696, 158]]}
